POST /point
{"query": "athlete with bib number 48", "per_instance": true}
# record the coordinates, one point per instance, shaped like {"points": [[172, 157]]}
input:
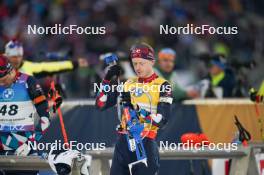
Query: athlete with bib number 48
{"points": [[21, 98]]}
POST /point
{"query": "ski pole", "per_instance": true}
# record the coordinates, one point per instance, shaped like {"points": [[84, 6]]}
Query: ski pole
{"points": [[63, 130]]}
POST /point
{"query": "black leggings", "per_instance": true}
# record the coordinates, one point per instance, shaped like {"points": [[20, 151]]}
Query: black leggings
{"points": [[122, 157]]}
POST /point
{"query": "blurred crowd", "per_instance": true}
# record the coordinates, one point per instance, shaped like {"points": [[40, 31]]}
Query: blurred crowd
{"points": [[130, 21]]}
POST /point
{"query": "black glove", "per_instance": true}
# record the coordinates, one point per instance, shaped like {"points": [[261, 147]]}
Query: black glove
{"points": [[255, 97], [253, 94], [61, 90], [58, 102], [113, 71], [126, 99], [55, 96]]}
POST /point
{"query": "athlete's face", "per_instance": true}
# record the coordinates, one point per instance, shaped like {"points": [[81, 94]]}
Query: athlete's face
{"points": [[143, 67], [167, 64], [8, 79], [15, 61]]}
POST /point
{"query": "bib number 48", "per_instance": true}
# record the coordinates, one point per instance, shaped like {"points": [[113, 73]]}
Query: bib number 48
{"points": [[10, 110]]}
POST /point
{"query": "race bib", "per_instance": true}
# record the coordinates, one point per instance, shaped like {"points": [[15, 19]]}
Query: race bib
{"points": [[132, 145], [18, 116]]}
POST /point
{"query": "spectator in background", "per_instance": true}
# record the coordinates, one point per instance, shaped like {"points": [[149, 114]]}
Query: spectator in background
{"points": [[165, 69], [221, 79], [124, 27], [14, 53]]}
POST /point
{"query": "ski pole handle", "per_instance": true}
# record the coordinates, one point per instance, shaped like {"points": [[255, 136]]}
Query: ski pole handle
{"points": [[110, 59]]}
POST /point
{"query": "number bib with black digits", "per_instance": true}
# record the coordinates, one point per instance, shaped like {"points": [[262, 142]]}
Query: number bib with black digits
{"points": [[16, 107], [17, 116]]}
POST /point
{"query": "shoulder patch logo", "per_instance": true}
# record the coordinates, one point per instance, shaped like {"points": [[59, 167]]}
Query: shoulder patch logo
{"points": [[8, 94]]}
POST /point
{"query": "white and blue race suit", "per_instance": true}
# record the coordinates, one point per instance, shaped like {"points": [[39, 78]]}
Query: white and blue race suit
{"points": [[19, 105]]}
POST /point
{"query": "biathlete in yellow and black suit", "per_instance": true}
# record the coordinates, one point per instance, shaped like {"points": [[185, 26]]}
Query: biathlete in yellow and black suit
{"points": [[152, 97]]}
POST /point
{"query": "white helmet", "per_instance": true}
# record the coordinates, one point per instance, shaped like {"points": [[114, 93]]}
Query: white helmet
{"points": [[14, 48]]}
